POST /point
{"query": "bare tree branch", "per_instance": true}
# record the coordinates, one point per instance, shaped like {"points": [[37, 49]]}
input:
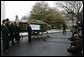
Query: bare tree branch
{"points": [[72, 7]]}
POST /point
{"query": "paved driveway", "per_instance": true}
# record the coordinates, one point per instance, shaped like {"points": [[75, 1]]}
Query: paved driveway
{"points": [[56, 45]]}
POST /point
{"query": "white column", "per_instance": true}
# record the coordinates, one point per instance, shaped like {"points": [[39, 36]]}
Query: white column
{"points": [[2, 10]]}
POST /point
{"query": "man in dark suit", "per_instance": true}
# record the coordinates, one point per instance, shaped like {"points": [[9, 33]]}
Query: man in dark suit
{"points": [[5, 34], [11, 28], [29, 32], [13, 32], [17, 31], [7, 25]]}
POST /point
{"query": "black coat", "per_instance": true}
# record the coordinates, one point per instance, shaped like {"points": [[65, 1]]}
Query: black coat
{"points": [[17, 31], [4, 30], [14, 28], [5, 37], [64, 27], [29, 29], [12, 31], [11, 28]]}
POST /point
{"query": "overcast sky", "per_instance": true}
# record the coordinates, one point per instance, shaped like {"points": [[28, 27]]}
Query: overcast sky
{"points": [[21, 8]]}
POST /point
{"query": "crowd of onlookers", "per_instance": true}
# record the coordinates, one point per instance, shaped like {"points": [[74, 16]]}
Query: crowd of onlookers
{"points": [[9, 33], [76, 47]]}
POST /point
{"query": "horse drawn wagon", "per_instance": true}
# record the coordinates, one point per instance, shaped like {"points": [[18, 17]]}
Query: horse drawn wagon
{"points": [[39, 29]]}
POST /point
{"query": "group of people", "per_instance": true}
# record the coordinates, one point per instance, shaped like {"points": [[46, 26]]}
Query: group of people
{"points": [[10, 33], [76, 39]]}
